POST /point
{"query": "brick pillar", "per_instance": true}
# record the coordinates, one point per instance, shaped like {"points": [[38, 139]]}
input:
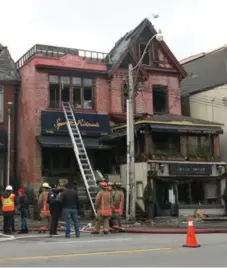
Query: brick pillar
{"points": [[216, 144], [148, 144], [184, 145], [37, 167]]}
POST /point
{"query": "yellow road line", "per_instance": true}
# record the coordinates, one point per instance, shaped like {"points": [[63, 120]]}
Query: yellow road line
{"points": [[83, 254]]}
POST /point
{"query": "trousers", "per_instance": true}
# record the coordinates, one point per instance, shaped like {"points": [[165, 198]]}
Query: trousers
{"points": [[68, 215], [117, 220], [55, 215], [102, 220], [8, 219]]}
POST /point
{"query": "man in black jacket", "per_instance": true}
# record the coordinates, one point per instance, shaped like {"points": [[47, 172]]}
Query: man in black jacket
{"points": [[70, 204], [55, 209]]}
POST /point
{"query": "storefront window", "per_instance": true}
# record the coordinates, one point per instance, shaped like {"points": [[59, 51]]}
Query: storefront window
{"points": [[56, 160], [199, 192]]}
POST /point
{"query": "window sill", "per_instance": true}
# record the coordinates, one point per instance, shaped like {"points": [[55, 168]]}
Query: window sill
{"points": [[80, 110]]}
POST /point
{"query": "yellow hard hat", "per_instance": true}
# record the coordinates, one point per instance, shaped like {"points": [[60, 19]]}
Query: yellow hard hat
{"points": [[46, 185]]}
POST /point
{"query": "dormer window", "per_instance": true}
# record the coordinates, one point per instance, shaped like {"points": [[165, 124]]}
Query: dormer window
{"points": [[146, 58]]}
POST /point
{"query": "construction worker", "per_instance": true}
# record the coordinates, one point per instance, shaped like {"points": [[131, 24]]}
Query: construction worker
{"points": [[111, 190], [104, 205], [8, 201], [43, 206], [98, 183], [118, 201]]}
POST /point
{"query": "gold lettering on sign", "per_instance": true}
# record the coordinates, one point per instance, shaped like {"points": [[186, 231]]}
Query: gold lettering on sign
{"points": [[80, 122]]}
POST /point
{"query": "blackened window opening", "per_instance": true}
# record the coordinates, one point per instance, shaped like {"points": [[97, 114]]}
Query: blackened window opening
{"points": [[125, 96], [146, 58], [77, 90], [160, 99], [166, 143], [199, 192], [56, 161]]}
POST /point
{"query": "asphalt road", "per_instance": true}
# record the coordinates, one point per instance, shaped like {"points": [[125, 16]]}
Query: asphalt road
{"points": [[127, 250]]}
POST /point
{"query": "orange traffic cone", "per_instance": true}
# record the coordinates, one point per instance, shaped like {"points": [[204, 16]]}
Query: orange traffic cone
{"points": [[191, 241]]}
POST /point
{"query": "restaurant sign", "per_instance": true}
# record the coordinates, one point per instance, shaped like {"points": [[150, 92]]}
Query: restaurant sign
{"points": [[190, 169], [54, 123]]}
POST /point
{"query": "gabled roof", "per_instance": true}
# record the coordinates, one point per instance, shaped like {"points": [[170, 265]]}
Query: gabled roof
{"points": [[121, 48], [206, 71], [8, 71]]}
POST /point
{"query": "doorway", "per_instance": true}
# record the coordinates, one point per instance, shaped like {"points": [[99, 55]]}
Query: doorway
{"points": [[166, 194]]}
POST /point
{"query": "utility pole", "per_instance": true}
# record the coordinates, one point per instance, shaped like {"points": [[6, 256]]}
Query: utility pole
{"points": [[131, 180], [131, 145], [10, 104]]}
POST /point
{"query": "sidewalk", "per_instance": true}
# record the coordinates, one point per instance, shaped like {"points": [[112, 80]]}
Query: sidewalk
{"points": [[162, 225]]}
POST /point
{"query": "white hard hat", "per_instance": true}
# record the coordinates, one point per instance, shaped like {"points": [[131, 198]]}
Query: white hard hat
{"points": [[46, 185], [9, 188]]}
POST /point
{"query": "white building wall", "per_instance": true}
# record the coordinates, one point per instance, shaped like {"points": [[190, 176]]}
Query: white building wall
{"points": [[211, 105]]}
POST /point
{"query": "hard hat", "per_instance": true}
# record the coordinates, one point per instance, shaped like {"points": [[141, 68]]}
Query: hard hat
{"points": [[101, 180], [9, 188], [46, 185], [118, 184], [103, 184]]}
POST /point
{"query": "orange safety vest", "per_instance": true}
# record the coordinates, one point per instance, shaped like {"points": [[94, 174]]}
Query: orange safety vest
{"points": [[44, 209], [121, 207], [103, 210], [8, 204]]}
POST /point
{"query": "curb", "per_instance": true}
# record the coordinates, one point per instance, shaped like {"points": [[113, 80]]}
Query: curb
{"points": [[148, 231], [174, 231]]}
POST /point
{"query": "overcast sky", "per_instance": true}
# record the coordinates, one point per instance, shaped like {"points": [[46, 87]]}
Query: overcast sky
{"points": [[189, 26]]}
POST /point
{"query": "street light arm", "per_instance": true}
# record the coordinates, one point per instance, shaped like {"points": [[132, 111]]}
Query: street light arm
{"points": [[145, 50]]}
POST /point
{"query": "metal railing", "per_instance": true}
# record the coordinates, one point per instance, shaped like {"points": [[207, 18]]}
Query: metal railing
{"points": [[52, 51]]}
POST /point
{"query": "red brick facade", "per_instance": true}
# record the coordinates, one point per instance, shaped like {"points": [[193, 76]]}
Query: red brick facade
{"points": [[34, 97]]}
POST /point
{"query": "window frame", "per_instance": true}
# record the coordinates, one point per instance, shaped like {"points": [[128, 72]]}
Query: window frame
{"points": [[2, 103], [154, 88], [73, 86], [148, 51]]}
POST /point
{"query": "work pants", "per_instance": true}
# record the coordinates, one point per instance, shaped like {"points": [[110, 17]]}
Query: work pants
{"points": [[55, 215], [102, 220], [68, 215], [45, 221], [117, 221], [7, 224], [13, 223]]}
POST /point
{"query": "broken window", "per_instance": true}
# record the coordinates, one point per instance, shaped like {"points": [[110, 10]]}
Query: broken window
{"points": [[200, 146], [54, 90], [65, 89], [77, 90], [168, 144], [124, 97], [82, 92], [146, 58], [199, 191], [160, 99]]}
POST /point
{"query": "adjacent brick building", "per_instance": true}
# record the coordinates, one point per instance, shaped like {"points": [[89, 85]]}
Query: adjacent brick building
{"points": [[9, 88], [96, 84]]}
